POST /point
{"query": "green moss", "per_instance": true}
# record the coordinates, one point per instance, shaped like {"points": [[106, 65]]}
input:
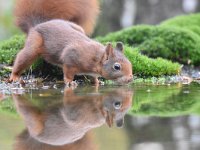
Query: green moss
{"points": [[172, 43], [175, 44], [188, 22], [132, 36], [4, 71], [9, 49], [144, 66], [176, 39]]}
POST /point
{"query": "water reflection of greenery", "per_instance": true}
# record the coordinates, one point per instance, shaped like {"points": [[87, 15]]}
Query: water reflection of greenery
{"points": [[45, 98], [7, 107], [166, 100], [151, 100], [39, 98], [9, 128]]}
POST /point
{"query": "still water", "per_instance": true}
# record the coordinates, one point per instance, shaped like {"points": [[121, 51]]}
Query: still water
{"points": [[138, 117]]}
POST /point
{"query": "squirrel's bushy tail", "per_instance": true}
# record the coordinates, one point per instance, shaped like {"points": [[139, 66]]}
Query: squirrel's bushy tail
{"points": [[29, 13]]}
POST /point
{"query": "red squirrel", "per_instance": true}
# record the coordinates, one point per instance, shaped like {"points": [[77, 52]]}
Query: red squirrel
{"points": [[65, 44]]}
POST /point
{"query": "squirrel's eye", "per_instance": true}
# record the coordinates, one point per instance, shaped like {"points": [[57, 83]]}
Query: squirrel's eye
{"points": [[117, 66], [117, 105]]}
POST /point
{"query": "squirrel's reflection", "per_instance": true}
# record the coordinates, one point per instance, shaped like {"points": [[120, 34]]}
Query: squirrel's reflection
{"points": [[66, 125]]}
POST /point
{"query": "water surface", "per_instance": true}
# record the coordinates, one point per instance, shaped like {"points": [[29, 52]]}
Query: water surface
{"points": [[139, 117]]}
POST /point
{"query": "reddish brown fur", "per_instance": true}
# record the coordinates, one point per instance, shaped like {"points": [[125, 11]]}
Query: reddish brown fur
{"points": [[64, 43], [60, 43], [31, 12], [26, 57]]}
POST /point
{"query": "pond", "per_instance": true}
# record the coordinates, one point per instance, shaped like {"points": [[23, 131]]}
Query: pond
{"points": [[136, 117]]}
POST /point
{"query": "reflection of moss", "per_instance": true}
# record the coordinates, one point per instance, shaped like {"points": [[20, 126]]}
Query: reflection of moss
{"points": [[45, 98], [7, 107], [148, 100], [41, 100], [166, 101]]}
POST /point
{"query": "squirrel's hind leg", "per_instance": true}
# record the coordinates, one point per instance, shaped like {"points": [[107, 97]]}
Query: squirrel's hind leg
{"points": [[30, 52]]}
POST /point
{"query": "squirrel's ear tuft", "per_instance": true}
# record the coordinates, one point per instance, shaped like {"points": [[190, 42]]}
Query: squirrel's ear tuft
{"points": [[109, 50], [120, 47]]}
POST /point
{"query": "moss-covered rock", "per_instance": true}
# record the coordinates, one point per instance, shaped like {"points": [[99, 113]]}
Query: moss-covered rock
{"points": [[188, 22], [9, 49], [177, 39], [172, 43], [142, 65]]}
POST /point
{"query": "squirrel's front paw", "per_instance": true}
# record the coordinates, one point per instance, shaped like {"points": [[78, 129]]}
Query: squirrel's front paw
{"points": [[15, 78]]}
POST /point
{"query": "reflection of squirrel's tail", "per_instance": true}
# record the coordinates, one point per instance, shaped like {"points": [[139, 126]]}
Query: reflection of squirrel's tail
{"points": [[29, 13]]}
